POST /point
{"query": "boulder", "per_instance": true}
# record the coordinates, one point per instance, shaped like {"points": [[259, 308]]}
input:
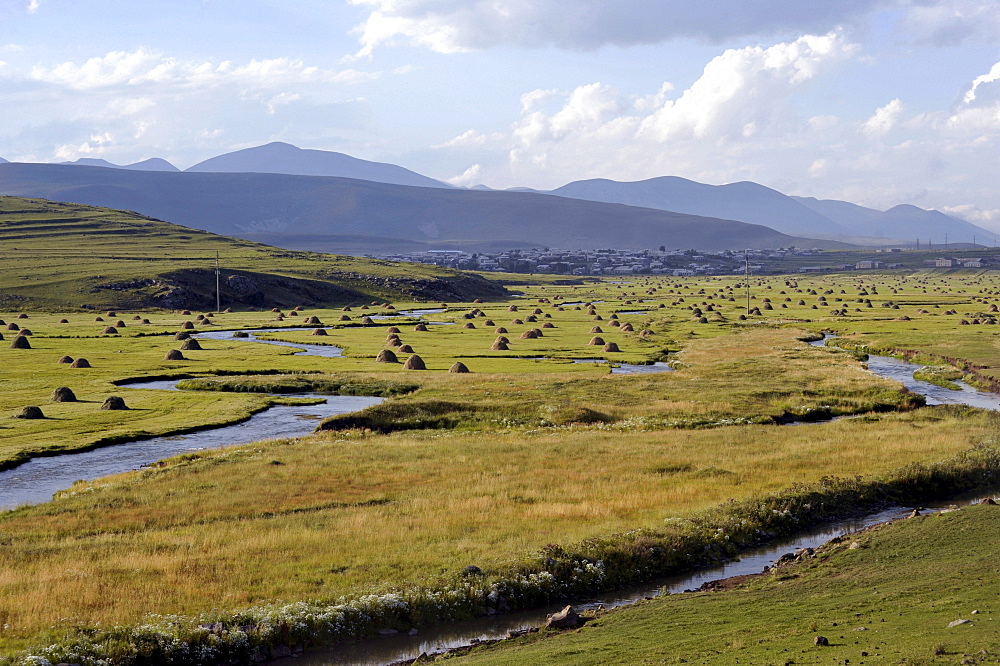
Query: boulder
{"points": [[567, 618]]}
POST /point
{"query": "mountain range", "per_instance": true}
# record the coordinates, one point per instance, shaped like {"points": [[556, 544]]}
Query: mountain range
{"points": [[352, 216]]}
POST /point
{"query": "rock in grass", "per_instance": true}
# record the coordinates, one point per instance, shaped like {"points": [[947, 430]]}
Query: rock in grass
{"points": [[31, 412], [114, 402], [958, 623], [63, 394], [567, 618]]}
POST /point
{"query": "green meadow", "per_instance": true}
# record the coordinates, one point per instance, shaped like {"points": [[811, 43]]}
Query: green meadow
{"points": [[542, 447]]}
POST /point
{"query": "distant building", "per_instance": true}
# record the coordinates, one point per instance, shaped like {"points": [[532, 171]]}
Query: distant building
{"points": [[944, 263], [868, 265]]}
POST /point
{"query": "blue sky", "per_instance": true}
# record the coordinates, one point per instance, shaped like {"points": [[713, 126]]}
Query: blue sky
{"points": [[879, 102]]}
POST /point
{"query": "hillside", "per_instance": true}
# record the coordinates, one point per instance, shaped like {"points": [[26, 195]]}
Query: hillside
{"points": [[745, 201], [317, 212], [278, 157], [152, 164], [74, 256]]}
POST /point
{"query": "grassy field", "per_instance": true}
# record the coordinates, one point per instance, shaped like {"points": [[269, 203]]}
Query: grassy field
{"points": [[891, 599], [488, 468]]}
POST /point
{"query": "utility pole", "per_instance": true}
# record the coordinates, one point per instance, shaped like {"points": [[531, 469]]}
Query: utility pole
{"points": [[218, 294], [746, 277]]}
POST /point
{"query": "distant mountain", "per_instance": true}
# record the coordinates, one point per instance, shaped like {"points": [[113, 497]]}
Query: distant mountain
{"points": [[152, 164], [3, 161], [743, 201], [287, 159], [319, 212], [903, 222]]}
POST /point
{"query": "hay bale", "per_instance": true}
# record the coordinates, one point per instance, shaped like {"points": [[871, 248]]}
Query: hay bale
{"points": [[30, 412], [512, 308], [528, 335], [183, 312], [13, 327], [20, 342], [386, 356], [392, 329], [346, 308], [598, 318], [627, 327], [469, 325], [345, 318], [393, 341], [477, 300], [312, 321], [25, 331], [421, 327], [614, 323], [516, 322], [136, 318], [174, 355], [191, 345], [120, 324], [114, 402], [611, 347], [318, 331], [80, 363], [488, 322], [63, 394], [536, 311], [500, 329], [187, 326], [548, 324], [65, 359], [645, 333], [405, 349], [596, 341], [458, 367], [499, 345], [181, 335], [298, 308], [504, 339], [272, 310], [614, 316], [537, 332], [109, 330], [64, 321], [596, 329], [144, 321], [414, 363], [531, 318], [367, 321], [22, 316]]}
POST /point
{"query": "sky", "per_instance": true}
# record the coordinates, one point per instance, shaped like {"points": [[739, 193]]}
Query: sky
{"points": [[878, 102]]}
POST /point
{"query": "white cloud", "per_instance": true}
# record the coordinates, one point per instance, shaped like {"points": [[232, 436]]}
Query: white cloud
{"points": [[983, 80], [883, 120], [33, 6], [472, 139], [97, 145], [974, 213], [471, 176], [449, 26], [142, 67], [951, 22]]}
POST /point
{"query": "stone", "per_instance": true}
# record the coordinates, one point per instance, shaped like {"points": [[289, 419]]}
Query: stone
{"points": [[567, 618], [822, 641], [958, 623], [280, 651]]}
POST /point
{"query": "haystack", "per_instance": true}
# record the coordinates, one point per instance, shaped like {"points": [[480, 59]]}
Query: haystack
{"points": [[596, 341], [187, 326], [392, 329], [386, 356], [64, 321], [504, 339], [537, 332], [367, 321], [500, 329], [488, 322], [499, 345], [469, 325], [191, 345], [298, 308], [610, 347], [25, 331], [536, 311], [393, 341], [548, 324], [318, 331], [144, 321], [13, 327], [22, 316], [20, 342], [458, 367], [136, 318], [63, 394], [114, 402], [30, 412], [597, 329], [347, 308], [414, 363], [272, 310], [405, 349], [312, 321], [183, 335], [598, 318], [420, 327], [109, 330], [531, 318], [120, 324], [65, 359], [477, 300], [80, 363], [174, 355], [183, 312], [516, 322], [293, 313], [627, 327], [345, 318], [512, 308], [529, 335]]}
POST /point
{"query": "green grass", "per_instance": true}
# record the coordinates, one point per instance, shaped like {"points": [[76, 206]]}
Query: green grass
{"points": [[889, 600]]}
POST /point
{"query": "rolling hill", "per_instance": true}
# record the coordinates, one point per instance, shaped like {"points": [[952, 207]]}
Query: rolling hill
{"points": [[318, 212], [287, 159], [70, 256], [152, 164]]}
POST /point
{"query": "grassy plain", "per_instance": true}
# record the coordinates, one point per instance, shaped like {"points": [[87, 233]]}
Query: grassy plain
{"points": [[891, 600], [532, 448]]}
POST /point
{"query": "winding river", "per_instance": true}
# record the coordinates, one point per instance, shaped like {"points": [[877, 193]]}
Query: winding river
{"points": [[37, 480]]}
